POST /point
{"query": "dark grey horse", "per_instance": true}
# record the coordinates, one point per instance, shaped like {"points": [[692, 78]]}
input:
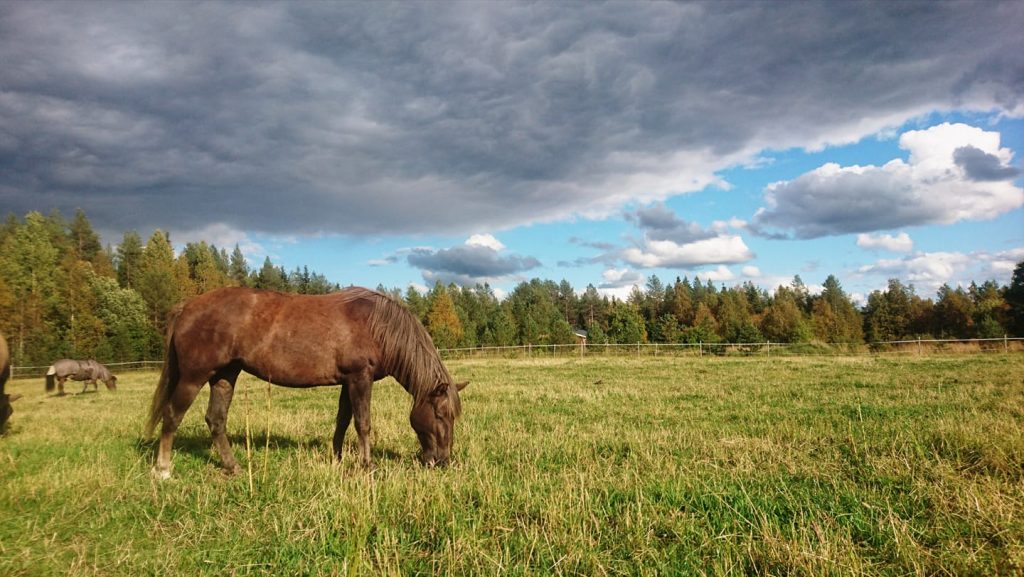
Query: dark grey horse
{"points": [[89, 371]]}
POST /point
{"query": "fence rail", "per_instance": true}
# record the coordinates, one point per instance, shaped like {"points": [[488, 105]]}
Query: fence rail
{"points": [[766, 349], [40, 370]]}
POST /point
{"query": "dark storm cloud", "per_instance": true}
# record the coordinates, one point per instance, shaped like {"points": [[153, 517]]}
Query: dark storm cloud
{"points": [[468, 264], [982, 166], [373, 118]]}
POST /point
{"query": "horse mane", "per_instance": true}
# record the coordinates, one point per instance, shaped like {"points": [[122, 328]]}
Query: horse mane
{"points": [[407, 351]]}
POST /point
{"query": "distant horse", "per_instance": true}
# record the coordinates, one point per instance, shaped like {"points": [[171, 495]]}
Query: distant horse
{"points": [[89, 371], [352, 338], [5, 373]]}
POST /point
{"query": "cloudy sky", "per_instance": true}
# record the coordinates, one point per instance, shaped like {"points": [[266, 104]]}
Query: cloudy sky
{"points": [[496, 142]]}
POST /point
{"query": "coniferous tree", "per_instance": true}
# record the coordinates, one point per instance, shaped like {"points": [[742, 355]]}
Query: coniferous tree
{"points": [[834, 318], [84, 241], [29, 265], [158, 284], [128, 258], [238, 267], [1014, 297]]}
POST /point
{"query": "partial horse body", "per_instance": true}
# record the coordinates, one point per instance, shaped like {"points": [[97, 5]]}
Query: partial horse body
{"points": [[5, 373], [89, 371], [350, 338]]}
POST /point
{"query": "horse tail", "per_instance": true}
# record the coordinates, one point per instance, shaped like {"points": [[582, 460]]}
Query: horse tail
{"points": [[51, 382], [168, 378]]}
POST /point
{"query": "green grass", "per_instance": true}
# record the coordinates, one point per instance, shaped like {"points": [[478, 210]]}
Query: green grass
{"points": [[600, 466]]}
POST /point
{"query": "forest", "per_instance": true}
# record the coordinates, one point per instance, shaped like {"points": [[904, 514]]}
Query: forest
{"points": [[64, 294]]}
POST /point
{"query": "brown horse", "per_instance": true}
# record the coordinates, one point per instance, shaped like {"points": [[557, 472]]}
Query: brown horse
{"points": [[5, 373], [352, 338]]}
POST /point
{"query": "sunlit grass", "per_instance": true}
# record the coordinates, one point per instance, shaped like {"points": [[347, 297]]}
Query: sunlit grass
{"points": [[596, 466]]}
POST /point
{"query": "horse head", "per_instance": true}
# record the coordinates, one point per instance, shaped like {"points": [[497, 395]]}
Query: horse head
{"points": [[433, 419]]}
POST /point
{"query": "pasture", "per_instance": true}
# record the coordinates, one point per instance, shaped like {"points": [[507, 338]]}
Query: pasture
{"points": [[566, 466]]}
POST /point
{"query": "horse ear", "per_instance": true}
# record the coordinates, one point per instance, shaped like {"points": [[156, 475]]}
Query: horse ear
{"points": [[12, 398], [461, 385]]}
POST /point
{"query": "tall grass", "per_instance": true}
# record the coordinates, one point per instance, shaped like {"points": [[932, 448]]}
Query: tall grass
{"points": [[595, 466]]}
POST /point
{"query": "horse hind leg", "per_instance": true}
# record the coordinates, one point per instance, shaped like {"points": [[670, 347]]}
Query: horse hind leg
{"points": [[222, 389], [173, 412]]}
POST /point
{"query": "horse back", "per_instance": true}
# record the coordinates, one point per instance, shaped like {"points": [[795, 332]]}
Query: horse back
{"points": [[291, 340]]}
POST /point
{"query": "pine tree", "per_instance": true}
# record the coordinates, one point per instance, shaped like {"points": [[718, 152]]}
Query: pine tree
{"points": [[238, 268], [834, 318], [84, 241], [29, 263], [1014, 297], [158, 284], [128, 258]]}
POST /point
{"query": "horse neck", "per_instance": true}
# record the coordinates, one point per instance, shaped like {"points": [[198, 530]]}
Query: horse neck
{"points": [[419, 370]]}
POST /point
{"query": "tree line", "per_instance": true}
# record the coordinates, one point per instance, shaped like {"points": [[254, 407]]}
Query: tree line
{"points": [[62, 294]]}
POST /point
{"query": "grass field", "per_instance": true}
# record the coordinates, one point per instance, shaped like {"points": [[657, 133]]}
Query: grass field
{"points": [[600, 466]]}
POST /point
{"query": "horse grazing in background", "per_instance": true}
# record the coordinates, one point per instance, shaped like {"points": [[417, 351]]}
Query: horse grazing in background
{"points": [[5, 373], [352, 338], [89, 371]]}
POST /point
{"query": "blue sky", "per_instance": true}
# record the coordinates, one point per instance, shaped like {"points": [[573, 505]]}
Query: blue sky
{"points": [[412, 143], [987, 244]]}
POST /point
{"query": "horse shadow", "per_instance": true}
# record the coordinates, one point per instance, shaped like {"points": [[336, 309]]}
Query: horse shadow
{"points": [[201, 446]]}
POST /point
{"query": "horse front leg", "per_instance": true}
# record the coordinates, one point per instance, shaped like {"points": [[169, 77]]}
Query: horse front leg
{"points": [[60, 386], [342, 421], [359, 387]]}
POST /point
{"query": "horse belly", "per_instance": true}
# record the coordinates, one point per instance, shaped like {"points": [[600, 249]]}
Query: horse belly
{"points": [[292, 369]]}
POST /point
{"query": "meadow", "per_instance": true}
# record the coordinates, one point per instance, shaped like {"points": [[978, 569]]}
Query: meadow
{"points": [[566, 466]]}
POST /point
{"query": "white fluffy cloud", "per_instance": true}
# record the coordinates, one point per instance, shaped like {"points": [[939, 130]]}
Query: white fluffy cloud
{"points": [[725, 249], [485, 240], [930, 270], [899, 243], [671, 242], [954, 172]]}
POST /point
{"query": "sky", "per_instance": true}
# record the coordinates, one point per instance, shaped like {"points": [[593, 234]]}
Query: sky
{"points": [[404, 144]]}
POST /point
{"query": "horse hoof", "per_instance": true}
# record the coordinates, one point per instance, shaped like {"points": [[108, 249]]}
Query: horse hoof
{"points": [[161, 474], [232, 471]]}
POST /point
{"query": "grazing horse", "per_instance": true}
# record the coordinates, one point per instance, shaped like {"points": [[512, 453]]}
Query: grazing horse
{"points": [[5, 373], [89, 371], [352, 338]]}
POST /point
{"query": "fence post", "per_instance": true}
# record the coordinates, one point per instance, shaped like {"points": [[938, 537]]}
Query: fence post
{"points": [[769, 348], [700, 349], [919, 353], [1006, 345]]}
